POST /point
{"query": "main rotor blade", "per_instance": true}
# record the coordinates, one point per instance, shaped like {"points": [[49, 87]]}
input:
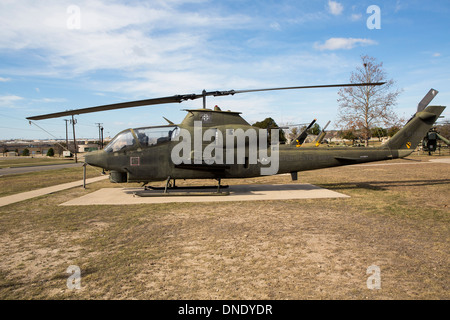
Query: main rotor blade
{"points": [[316, 86], [181, 98], [138, 103]]}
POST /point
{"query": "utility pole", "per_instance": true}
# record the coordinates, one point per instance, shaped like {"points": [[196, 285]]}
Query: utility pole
{"points": [[100, 135], [67, 135], [73, 121]]}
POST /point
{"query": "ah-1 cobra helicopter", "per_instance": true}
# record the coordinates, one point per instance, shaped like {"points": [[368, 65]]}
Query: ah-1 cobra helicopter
{"points": [[153, 153]]}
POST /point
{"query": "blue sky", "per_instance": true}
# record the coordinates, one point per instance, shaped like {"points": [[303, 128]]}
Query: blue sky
{"points": [[60, 55]]}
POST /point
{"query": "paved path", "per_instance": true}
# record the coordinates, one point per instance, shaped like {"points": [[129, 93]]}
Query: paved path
{"points": [[442, 160], [4, 201]]}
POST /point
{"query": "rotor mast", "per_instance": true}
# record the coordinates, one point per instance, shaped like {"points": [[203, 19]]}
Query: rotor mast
{"points": [[204, 98]]}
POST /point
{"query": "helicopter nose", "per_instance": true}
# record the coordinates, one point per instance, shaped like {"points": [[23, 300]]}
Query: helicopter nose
{"points": [[96, 158]]}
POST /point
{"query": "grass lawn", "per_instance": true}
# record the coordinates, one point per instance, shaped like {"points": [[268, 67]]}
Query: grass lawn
{"points": [[12, 184], [397, 218], [15, 162]]}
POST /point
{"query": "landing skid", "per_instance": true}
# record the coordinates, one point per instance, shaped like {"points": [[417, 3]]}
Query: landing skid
{"points": [[171, 190]]}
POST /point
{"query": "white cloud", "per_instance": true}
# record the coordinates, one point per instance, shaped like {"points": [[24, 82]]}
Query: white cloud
{"points": [[135, 51], [335, 7], [112, 35], [10, 98], [275, 26], [4, 79], [398, 6], [146, 50], [50, 100], [343, 43], [436, 54], [9, 101], [356, 17]]}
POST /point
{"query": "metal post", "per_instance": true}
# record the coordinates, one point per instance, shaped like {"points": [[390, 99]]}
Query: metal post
{"points": [[167, 184], [74, 140], [100, 134], [67, 135], [102, 137], [84, 175]]}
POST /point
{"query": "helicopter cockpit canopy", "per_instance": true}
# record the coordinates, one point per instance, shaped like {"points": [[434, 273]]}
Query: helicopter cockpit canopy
{"points": [[155, 135], [143, 137]]}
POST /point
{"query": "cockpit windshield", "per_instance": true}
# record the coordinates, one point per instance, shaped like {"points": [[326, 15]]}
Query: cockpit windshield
{"points": [[156, 135], [121, 141], [146, 137]]}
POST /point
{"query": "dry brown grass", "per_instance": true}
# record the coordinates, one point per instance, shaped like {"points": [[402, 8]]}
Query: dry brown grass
{"points": [[16, 162], [16, 183], [397, 218]]}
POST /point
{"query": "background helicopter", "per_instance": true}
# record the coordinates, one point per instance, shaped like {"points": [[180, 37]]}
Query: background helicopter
{"points": [[146, 154], [299, 142], [431, 141]]}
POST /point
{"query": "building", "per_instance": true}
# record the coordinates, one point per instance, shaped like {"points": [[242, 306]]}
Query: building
{"points": [[87, 147]]}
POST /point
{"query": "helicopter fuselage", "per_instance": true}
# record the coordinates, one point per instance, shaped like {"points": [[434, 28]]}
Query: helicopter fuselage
{"points": [[200, 148]]}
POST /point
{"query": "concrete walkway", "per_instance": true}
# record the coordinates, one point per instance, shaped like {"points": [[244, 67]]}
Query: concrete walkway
{"points": [[121, 196], [442, 160], [4, 201]]}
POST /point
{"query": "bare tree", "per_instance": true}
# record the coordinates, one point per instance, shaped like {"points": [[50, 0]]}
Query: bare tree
{"points": [[362, 108], [293, 133]]}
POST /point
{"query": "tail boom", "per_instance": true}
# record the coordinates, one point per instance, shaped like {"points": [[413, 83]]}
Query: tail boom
{"points": [[407, 139]]}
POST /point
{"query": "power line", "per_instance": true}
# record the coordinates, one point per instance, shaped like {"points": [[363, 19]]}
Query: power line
{"points": [[21, 129], [47, 124], [31, 122], [8, 116]]}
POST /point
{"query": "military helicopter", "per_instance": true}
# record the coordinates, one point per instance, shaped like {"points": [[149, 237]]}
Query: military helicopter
{"points": [[216, 144], [430, 142]]}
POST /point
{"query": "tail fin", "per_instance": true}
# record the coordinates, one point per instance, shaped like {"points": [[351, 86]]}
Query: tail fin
{"points": [[427, 99], [415, 130]]}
